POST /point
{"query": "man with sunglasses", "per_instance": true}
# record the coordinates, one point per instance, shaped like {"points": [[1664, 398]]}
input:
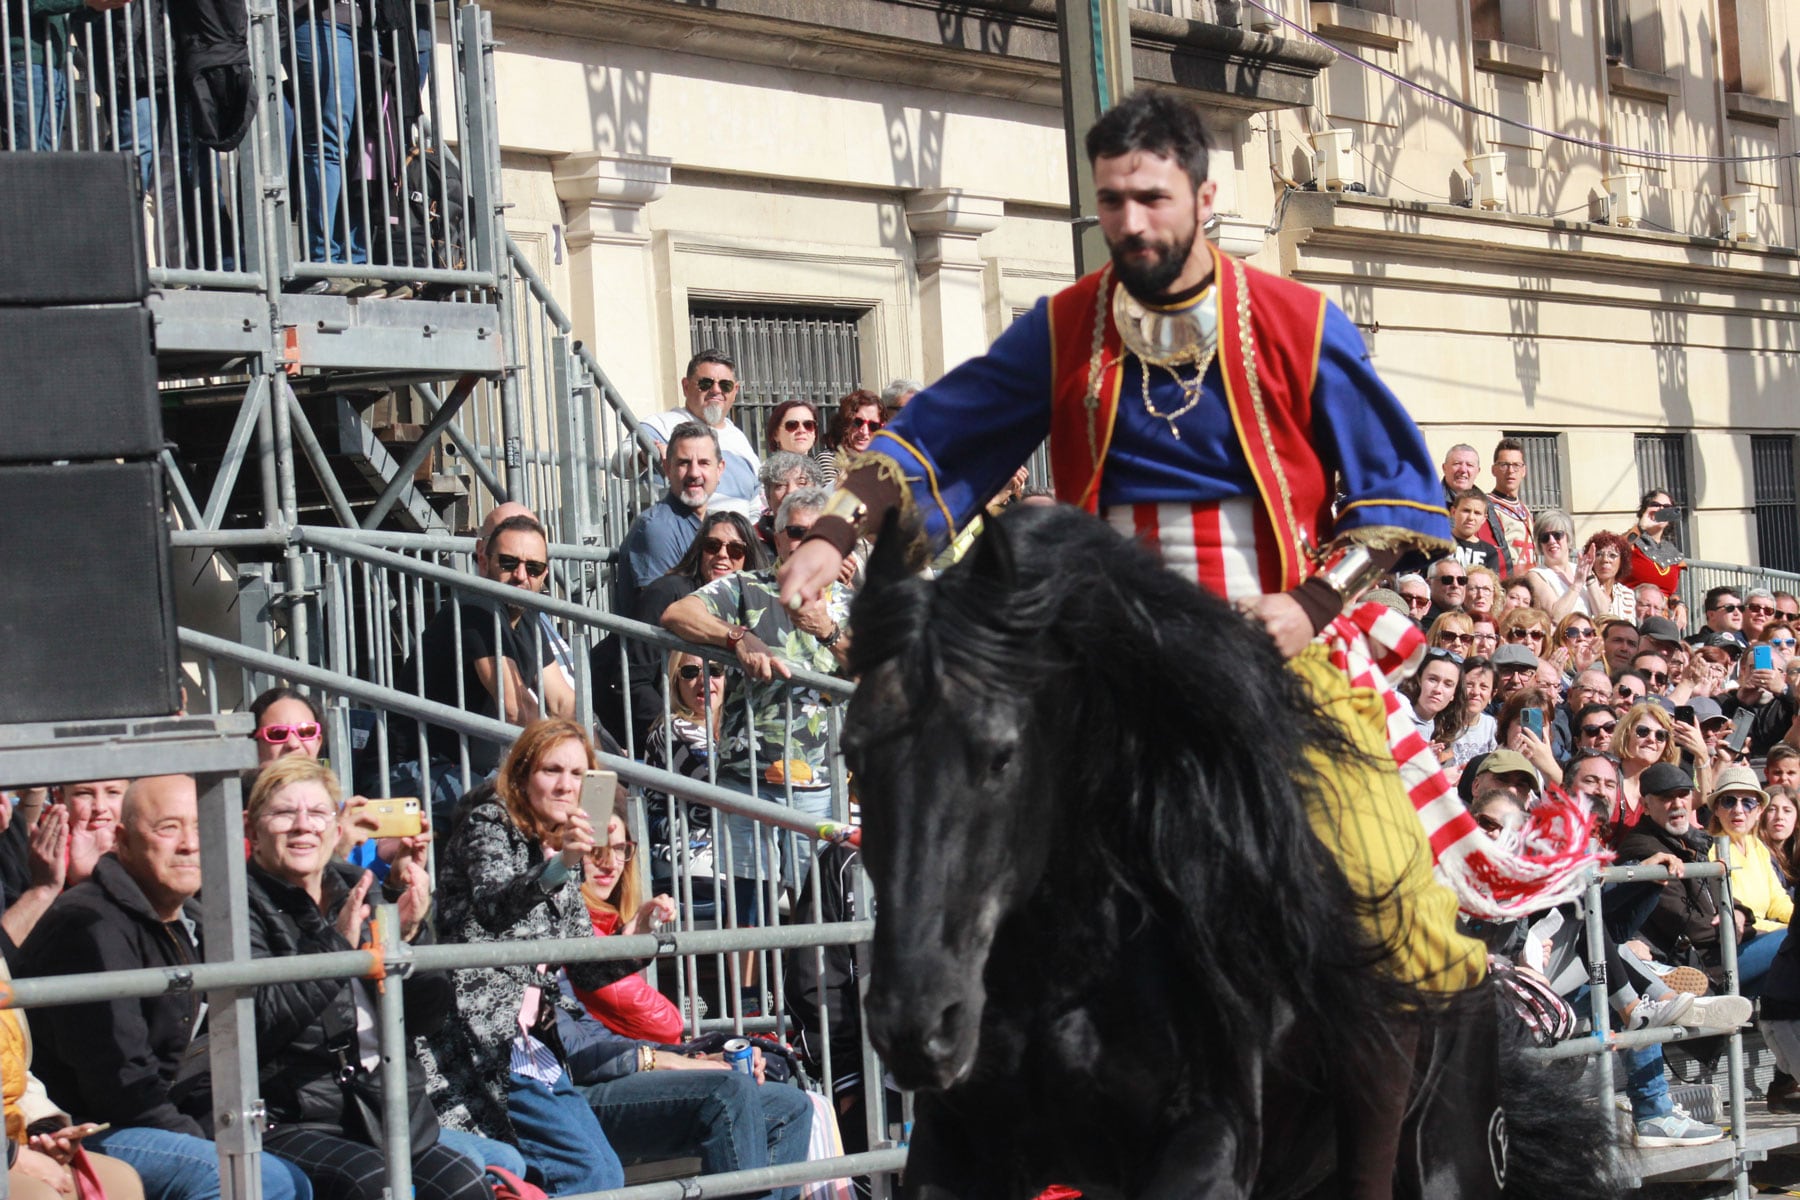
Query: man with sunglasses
{"points": [[1654, 669], [709, 388], [1448, 579], [1724, 610]]}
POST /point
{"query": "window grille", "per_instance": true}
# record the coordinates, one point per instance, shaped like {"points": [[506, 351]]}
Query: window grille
{"points": [[782, 353], [1777, 521], [1662, 463], [1543, 468]]}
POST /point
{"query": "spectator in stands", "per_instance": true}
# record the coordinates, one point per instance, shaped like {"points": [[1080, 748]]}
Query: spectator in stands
{"points": [[1654, 557], [287, 722], [1515, 593], [1515, 732], [1618, 642], [38, 50], [1484, 636], [1515, 667], [708, 389], [1724, 611], [658, 1103], [1574, 645], [1591, 686], [319, 1077], [1478, 727], [1787, 606], [1430, 691], [94, 807], [1603, 587], [1766, 693], [792, 426], [1593, 775], [782, 472], [117, 1061], [1416, 593], [858, 418], [488, 568], [1659, 634], [1509, 518], [1461, 466], [791, 764], [1452, 631], [1480, 592], [684, 742], [1468, 516], [1557, 583], [897, 395], [1762, 905], [1706, 675], [1504, 771], [1642, 740], [1654, 669], [484, 657], [1782, 768], [1448, 580], [1628, 689], [1593, 726], [1527, 627], [1777, 830], [1759, 610], [43, 847], [512, 869], [322, 63], [1687, 910], [1648, 600], [663, 532]]}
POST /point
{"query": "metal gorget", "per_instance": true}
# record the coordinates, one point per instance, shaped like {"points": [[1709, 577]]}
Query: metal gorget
{"points": [[1169, 338]]}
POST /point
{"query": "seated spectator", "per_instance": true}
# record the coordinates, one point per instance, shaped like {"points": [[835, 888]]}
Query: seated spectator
{"points": [[858, 419], [1480, 593], [45, 873], [1706, 674], [1762, 906], [1649, 601], [1630, 688], [1452, 631], [1658, 635], [1515, 592], [663, 532], [1787, 606], [93, 807], [1448, 580], [761, 754], [782, 472], [1777, 832], [1474, 734], [510, 870], [1574, 645], [1515, 732], [486, 658], [726, 543], [1724, 612], [1604, 587], [1416, 594], [1590, 687], [1594, 726], [1430, 691], [792, 427], [1468, 513], [1782, 768], [1484, 636], [708, 390], [117, 1061], [318, 1065], [1505, 771], [1593, 775], [652, 1101], [1618, 642], [1558, 580], [1759, 610], [1641, 742], [1765, 693], [1653, 668], [1527, 627], [897, 395], [287, 722], [1682, 927], [685, 743], [1515, 667]]}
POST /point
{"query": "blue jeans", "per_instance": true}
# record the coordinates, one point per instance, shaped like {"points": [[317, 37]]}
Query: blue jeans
{"points": [[727, 1118], [325, 95], [40, 98], [483, 1152], [180, 1166], [560, 1137], [1646, 1084], [1755, 958]]}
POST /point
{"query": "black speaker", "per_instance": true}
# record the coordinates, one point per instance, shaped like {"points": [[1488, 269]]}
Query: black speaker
{"points": [[80, 383], [87, 615], [74, 229]]}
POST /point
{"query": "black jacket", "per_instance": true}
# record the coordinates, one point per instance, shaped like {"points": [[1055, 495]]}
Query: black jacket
{"points": [[114, 1060], [302, 1027], [1686, 913]]}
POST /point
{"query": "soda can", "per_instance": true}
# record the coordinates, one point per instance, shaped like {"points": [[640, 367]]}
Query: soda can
{"points": [[738, 1053]]}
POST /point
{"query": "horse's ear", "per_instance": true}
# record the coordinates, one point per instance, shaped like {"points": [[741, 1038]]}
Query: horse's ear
{"points": [[992, 556], [887, 562]]}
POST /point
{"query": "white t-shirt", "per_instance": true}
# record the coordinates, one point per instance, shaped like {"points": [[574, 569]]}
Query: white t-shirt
{"points": [[739, 489]]}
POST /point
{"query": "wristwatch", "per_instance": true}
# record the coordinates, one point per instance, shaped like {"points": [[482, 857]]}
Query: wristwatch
{"points": [[735, 635], [831, 639]]}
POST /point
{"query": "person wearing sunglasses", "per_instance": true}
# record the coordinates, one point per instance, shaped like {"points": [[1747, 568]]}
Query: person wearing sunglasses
{"points": [[1759, 610], [1452, 631], [1767, 693], [709, 389], [683, 741], [1557, 583], [1574, 645], [287, 722], [1724, 611], [1449, 580], [1763, 906], [1645, 737], [859, 417], [793, 426], [1594, 726], [1527, 627]]}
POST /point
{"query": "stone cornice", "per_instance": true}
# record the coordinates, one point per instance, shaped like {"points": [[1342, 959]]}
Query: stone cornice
{"points": [[1005, 48]]}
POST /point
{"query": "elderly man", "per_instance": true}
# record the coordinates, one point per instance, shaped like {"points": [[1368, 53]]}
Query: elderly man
{"points": [[663, 532], [763, 754], [1462, 463], [896, 395], [117, 1061], [709, 388], [1417, 594], [1448, 580], [1650, 601]]}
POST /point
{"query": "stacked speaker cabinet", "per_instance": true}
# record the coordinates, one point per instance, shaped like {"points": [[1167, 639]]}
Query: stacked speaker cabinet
{"points": [[87, 614]]}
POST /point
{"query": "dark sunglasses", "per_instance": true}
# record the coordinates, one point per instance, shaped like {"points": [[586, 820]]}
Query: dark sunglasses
{"points": [[1577, 635], [691, 671], [1761, 610], [1489, 825], [1731, 802], [1439, 654], [1552, 535], [1727, 608], [865, 423], [1519, 635], [1651, 732], [794, 425], [1656, 676], [796, 533], [705, 385], [1458, 580], [1460, 638], [508, 563], [1599, 730], [275, 735], [733, 550]]}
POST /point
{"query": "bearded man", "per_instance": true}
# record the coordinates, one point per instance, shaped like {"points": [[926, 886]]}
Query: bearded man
{"points": [[1215, 413]]}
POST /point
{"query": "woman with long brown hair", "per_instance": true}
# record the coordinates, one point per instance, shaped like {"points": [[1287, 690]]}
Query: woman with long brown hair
{"points": [[857, 420]]}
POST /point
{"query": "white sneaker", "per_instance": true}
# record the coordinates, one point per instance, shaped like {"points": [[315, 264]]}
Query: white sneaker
{"points": [[1656, 1014], [1718, 1012]]}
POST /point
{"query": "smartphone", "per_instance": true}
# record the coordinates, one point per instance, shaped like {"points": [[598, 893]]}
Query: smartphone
{"points": [[1665, 515], [1534, 721], [1684, 713], [395, 816], [1765, 658], [1740, 730], [597, 791]]}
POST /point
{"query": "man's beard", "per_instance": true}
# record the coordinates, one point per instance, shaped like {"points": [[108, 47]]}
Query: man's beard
{"points": [[1151, 281], [713, 414]]}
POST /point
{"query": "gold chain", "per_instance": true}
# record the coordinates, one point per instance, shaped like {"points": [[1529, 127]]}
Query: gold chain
{"points": [[1193, 389], [1095, 367]]}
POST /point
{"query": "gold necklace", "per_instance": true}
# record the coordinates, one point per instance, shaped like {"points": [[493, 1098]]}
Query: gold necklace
{"points": [[1170, 340], [1192, 389]]}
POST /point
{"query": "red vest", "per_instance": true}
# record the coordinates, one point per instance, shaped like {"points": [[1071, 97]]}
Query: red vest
{"points": [[1270, 409]]}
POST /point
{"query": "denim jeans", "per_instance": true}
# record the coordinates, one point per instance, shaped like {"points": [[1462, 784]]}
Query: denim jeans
{"points": [[1755, 959], [40, 98], [752, 845], [180, 1166], [325, 95], [483, 1152], [1645, 1083], [727, 1118], [561, 1138], [193, 229]]}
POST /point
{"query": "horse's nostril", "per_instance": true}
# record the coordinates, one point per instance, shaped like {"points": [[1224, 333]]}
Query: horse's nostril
{"points": [[941, 1044]]}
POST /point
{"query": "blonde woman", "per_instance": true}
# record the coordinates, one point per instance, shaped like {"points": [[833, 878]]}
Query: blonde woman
{"points": [[1645, 736]]}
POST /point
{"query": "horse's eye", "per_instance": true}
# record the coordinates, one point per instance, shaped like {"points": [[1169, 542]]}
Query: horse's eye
{"points": [[1002, 759]]}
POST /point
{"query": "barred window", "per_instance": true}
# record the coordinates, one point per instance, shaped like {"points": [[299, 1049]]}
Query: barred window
{"points": [[782, 353], [1777, 522], [1543, 486], [1662, 463]]}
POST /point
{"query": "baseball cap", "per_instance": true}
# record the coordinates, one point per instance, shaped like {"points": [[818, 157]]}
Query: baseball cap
{"points": [[1721, 640], [1514, 655], [1661, 778], [1494, 762], [1659, 629], [1706, 709]]}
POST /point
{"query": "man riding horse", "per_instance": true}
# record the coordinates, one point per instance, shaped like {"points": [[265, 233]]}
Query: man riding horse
{"points": [[1230, 420]]}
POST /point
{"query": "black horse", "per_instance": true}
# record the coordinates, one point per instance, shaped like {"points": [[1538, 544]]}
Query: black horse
{"points": [[1110, 950]]}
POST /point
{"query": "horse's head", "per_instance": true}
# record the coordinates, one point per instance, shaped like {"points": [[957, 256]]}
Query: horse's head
{"points": [[939, 737]]}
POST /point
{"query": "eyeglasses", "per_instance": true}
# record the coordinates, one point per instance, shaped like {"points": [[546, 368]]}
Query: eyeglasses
{"points": [[1490, 824], [1761, 610], [704, 385], [508, 563], [280, 820], [1552, 535], [796, 533], [691, 671], [713, 545], [1414, 601], [1509, 466], [1787, 642], [865, 423], [794, 425], [1650, 733], [1520, 635], [1577, 635], [1453, 580], [1657, 676], [1748, 803], [1727, 608], [276, 735], [1461, 639], [1439, 654], [623, 851], [1605, 730]]}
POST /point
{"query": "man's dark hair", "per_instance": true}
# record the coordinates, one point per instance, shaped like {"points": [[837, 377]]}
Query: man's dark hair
{"points": [[1713, 595], [1588, 710], [1508, 443], [518, 524], [1634, 673], [1156, 123], [1469, 493], [686, 431], [1581, 756], [716, 357]]}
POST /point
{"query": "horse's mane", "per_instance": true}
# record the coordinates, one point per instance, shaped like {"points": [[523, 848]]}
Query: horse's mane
{"points": [[1169, 707]]}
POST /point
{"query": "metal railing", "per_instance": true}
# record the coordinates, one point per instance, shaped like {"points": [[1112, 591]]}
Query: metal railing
{"points": [[1702, 575]]}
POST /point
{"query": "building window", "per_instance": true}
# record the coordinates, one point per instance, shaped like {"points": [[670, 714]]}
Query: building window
{"points": [[1744, 47], [1510, 21], [1633, 31], [782, 353], [1543, 468], [1777, 521], [1662, 463]]}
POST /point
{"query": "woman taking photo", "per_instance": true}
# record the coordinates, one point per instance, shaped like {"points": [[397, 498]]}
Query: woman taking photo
{"points": [[1517, 731], [1644, 737], [319, 1059], [1556, 581], [857, 420], [512, 870]]}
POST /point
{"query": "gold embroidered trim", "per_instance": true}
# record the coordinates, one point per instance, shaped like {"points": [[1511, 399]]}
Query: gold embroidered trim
{"points": [[912, 524], [1247, 345], [1096, 368], [1390, 537]]}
